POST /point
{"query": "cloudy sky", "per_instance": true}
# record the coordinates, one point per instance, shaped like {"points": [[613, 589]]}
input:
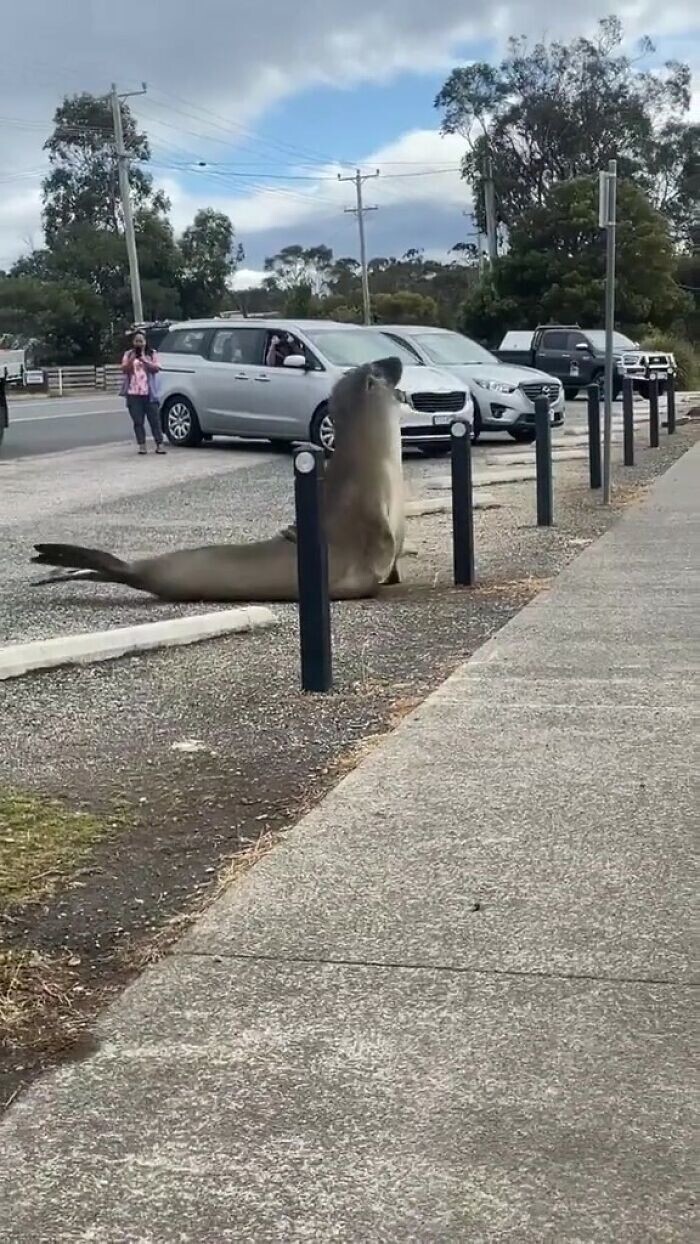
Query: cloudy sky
{"points": [[276, 99]]}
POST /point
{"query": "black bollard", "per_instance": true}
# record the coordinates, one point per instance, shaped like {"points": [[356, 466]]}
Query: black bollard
{"points": [[462, 504], [671, 404], [543, 459], [312, 567], [594, 466], [4, 419], [628, 420], [653, 413]]}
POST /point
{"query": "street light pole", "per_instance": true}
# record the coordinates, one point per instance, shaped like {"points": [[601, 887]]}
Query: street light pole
{"points": [[607, 220]]}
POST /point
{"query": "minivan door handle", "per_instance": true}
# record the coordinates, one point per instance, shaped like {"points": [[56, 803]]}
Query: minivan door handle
{"points": [[263, 379], [240, 375]]}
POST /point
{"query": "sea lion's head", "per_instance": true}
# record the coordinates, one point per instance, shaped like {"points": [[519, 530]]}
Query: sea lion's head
{"points": [[366, 390]]}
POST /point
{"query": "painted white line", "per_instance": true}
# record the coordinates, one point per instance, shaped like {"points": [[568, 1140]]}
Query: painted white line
{"points": [[57, 402], [66, 414], [42, 654]]}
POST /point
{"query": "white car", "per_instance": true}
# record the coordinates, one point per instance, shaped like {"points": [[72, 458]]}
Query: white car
{"points": [[271, 379], [503, 395]]}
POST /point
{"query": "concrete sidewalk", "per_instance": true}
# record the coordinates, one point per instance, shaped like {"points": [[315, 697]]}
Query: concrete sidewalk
{"points": [[454, 1004]]}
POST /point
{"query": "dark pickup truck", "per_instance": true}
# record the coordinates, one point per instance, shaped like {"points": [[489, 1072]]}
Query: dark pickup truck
{"points": [[576, 356]]}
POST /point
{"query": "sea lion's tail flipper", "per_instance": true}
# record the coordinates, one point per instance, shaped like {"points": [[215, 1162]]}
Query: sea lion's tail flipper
{"points": [[89, 563]]}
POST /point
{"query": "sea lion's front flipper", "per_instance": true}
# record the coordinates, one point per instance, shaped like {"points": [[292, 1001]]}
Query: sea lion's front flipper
{"points": [[394, 576]]}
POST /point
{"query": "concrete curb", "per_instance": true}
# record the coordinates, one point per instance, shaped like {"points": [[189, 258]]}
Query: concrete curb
{"points": [[525, 456], [435, 505], [82, 649], [508, 475]]}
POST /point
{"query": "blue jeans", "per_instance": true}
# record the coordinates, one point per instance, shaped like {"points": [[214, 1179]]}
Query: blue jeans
{"points": [[141, 409]]}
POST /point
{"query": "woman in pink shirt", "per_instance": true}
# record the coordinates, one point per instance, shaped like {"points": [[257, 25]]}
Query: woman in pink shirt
{"points": [[140, 388]]}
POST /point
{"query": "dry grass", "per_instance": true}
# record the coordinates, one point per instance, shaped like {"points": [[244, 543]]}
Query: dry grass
{"points": [[510, 589], [623, 495], [41, 842], [40, 997]]}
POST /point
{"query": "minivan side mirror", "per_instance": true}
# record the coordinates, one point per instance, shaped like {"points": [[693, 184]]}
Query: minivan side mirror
{"points": [[583, 346], [298, 361]]}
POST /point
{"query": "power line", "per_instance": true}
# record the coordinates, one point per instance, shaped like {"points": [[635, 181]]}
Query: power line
{"points": [[225, 125]]}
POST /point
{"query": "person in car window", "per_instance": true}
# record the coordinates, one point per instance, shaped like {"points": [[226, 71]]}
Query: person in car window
{"points": [[140, 367], [280, 348]]}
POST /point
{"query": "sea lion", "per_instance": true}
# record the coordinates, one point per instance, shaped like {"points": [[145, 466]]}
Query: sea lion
{"points": [[363, 511]]}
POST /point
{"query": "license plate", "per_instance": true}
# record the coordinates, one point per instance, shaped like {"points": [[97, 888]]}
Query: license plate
{"points": [[442, 421]]}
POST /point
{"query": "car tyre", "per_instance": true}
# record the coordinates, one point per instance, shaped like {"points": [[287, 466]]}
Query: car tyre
{"points": [[321, 430], [524, 436], [181, 424], [570, 393]]}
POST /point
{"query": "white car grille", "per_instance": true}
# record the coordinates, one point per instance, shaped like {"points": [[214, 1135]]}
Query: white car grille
{"points": [[540, 389]]}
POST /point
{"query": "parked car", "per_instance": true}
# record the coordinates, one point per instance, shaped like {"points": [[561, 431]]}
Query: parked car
{"points": [[13, 365], [643, 365], [272, 380], [504, 397], [577, 357]]}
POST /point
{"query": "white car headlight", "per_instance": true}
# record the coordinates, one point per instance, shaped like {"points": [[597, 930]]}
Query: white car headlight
{"points": [[498, 386]]}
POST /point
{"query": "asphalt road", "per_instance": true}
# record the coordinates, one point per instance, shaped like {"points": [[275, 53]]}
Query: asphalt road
{"points": [[52, 425]]}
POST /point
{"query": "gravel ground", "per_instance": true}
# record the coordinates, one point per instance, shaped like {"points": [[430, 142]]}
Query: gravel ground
{"points": [[102, 736]]}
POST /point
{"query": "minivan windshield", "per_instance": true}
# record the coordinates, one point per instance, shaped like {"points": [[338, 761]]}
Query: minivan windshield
{"points": [[451, 349], [352, 347]]}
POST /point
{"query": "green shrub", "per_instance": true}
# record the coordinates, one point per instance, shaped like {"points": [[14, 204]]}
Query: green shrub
{"points": [[687, 358]]}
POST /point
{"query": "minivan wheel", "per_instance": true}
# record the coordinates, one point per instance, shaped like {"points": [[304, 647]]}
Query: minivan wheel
{"points": [[524, 436], [180, 423], [321, 430]]}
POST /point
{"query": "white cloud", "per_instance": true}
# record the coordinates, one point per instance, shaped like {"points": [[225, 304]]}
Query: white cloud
{"points": [[419, 167], [235, 59], [248, 278], [20, 223]]}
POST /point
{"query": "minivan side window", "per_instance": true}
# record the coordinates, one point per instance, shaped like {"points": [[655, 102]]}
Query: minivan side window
{"points": [[237, 345], [555, 339], [185, 341]]}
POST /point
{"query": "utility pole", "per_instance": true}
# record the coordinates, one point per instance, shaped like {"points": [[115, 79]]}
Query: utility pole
{"points": [[607, 220], [490, 210], [125, 195], [479, 243], [359, 179]]}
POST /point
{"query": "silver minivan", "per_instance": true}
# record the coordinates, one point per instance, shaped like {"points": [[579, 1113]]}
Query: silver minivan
{"points": [[271, 379]]}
